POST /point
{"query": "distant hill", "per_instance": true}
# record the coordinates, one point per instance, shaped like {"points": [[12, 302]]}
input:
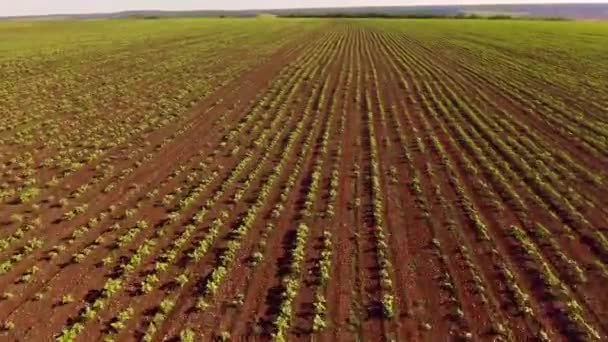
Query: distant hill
{"points": [[139, 14], [569, 11]]}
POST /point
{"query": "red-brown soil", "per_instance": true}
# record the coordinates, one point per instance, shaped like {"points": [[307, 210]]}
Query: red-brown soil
{"points": [[385, 115]]}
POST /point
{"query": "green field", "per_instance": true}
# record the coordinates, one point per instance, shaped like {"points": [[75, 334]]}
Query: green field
{"points": [[303, 180]]}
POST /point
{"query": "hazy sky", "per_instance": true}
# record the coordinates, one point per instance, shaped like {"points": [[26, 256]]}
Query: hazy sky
{"points": [[27, 7]]}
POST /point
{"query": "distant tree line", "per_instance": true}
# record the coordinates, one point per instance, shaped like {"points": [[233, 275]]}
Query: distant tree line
{"points": [[417, 16]]}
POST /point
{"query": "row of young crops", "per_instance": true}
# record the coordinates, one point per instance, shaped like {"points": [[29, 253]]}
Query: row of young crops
{"points": [[373, 179]]}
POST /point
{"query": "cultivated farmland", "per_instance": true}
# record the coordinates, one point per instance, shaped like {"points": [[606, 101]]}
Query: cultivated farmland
{"points": [[303, 179]]}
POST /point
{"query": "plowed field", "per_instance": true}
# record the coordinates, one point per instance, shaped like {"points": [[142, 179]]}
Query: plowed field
{"points": [[331, 180]]}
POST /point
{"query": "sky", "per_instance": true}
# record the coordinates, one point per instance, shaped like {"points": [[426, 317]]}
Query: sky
{"points": [[37, 7]]}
